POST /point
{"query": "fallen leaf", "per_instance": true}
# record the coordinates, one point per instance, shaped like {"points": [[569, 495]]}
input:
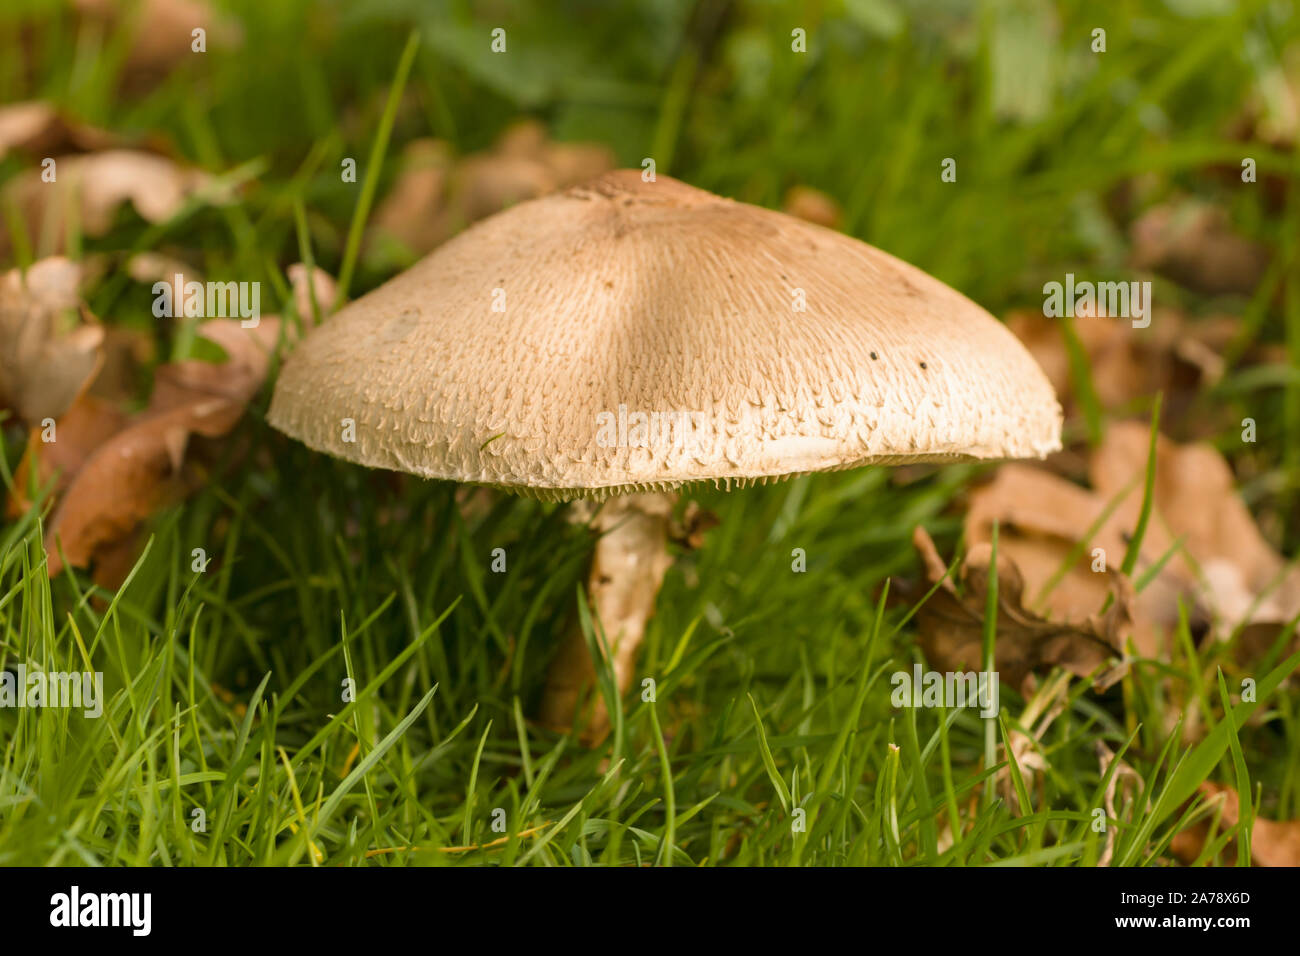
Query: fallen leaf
{"points": [[1193, 243], [952, 624], [409, 214], [1124, 775], [161, 33], [1174, 355], [151, 267], [575, 163], [694, 524], [322, 287], [525, 137], [138, 469], [43, 368], [114, 561], [436, 196], [96, 185], [76, 434], [1043, 519], [1272, 843], [1212, 558], [37, 130], [813, 205], [1243, 579], [156, 186], [569, 163], [486, 183], [127, 352]]}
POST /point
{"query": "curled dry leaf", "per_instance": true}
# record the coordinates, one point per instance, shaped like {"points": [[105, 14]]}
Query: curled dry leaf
{"points": [[161, 32], [567, 163], [814, 206], [43, 367], [95, 185], [138, 469], [483, 184], [322, 288], [1047, 703], [952, 624], [435, 196], [1194, 244], [37, 130], [695, 523], [1215, 560], [128, 351], [155, 186], [1272, 843], [1243, 579], [409, 213], [81, 429], [151, 267], [574, 163], [525, 138], [1173, 355], [1131, 781], [1043, 521]]}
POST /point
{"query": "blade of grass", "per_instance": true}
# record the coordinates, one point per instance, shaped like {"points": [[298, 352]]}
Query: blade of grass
{"points": [[371, 182]]}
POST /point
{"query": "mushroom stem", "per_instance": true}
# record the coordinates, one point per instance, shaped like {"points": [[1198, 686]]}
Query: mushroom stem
{"points": [[627, 570]]}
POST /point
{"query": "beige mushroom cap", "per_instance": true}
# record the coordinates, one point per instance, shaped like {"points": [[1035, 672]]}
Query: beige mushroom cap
{"points": [[626, 335]]}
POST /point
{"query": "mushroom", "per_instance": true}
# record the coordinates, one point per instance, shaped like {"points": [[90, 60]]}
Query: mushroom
{"points": [[623, 338]]}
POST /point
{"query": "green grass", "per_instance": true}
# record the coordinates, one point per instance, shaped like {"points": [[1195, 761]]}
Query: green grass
{"points": [[227, 739]]}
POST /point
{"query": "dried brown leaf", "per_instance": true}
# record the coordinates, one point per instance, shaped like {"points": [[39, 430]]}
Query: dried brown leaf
{"points": [[81, 429], [151, 267], [1174, 355], [138, 469], [574, 163], [322, 286], [952, 623], [43, 368], [1195, 500], [94, 186], [695, 523], [37, 130], [435, 196], [127, 352], [1043, 519], [1272, 842], [161, 33], [1212, 558], [1194, 244], [813, 205], [484, 184], [411, 212]]}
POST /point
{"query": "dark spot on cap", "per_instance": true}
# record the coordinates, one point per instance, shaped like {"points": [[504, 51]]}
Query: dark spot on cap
{"points": [[874, 356], [923, 365]]}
